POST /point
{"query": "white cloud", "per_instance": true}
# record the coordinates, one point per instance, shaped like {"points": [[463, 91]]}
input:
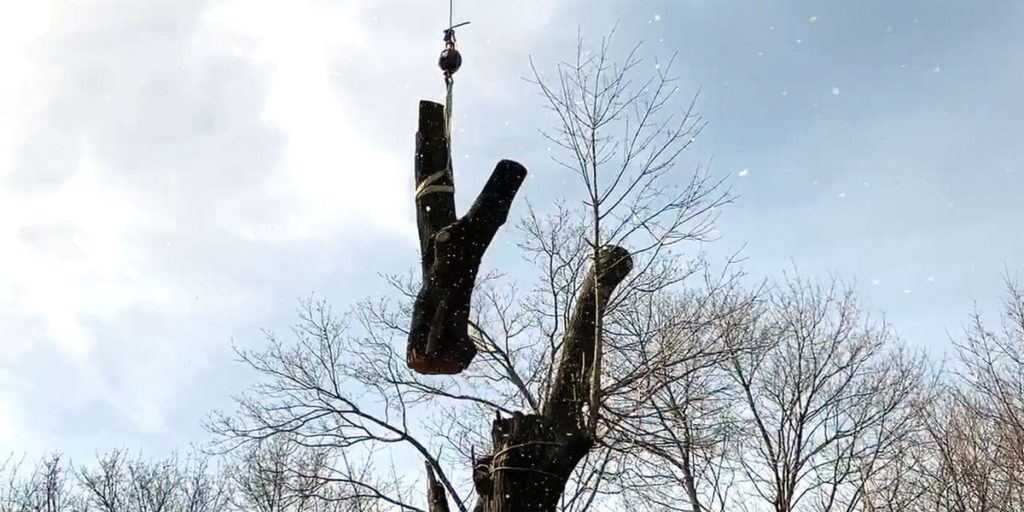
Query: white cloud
{"points": [[338, 175], [147, 151], [165, 166]]}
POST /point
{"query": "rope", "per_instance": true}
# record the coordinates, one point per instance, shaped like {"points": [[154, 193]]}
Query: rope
{"points": [[448, 83], [428, 186]]}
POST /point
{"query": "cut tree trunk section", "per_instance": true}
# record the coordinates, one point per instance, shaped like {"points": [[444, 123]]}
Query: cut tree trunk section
{"points": [[451, 249]]}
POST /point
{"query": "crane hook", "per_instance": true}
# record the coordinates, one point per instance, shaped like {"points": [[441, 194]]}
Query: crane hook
{"points": [[450, 60]]}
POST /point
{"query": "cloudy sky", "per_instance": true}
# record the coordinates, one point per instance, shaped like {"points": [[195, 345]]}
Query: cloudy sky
{"points": [[176, 174]]}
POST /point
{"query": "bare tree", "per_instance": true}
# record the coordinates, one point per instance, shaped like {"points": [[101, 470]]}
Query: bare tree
{"points": [[993, 384], [962, 471], [154, 486], [203, 488], [975, 432], [621, 140], [557, 363], [673, 412], [107, 486], [829, 397], [278, 475], [311, 400], [49, 488], [117, 482]]}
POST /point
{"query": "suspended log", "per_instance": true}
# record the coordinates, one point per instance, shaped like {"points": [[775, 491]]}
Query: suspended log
{"points": [[451, 248]]}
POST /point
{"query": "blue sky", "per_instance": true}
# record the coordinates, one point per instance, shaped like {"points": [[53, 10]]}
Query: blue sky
{"points": [[175, 175]]}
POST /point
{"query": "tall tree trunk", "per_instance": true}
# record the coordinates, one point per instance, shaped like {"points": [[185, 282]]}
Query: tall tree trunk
{"points": [[533, 455]]}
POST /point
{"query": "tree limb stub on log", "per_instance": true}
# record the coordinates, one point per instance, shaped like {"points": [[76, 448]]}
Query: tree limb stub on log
{"points": [[451, 248]]}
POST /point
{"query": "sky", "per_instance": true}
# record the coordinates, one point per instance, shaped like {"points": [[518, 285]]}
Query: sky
{"points": [[175, 175]]}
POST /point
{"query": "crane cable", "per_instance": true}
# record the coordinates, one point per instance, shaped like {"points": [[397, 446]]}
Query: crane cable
{"points": [[449, 62], [449, 68]]}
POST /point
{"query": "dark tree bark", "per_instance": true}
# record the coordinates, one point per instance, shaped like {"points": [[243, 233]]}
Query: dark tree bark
{"points": [[451, 249], [531, 464], [534, 454], [571, 389]]}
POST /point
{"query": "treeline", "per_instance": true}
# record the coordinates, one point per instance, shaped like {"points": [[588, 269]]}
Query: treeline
{"points": [[804, 403], [784, 398], [270, 477]]}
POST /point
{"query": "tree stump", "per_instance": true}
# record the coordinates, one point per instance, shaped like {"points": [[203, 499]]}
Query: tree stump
{"points": [[451, 248], [531, 463]]}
